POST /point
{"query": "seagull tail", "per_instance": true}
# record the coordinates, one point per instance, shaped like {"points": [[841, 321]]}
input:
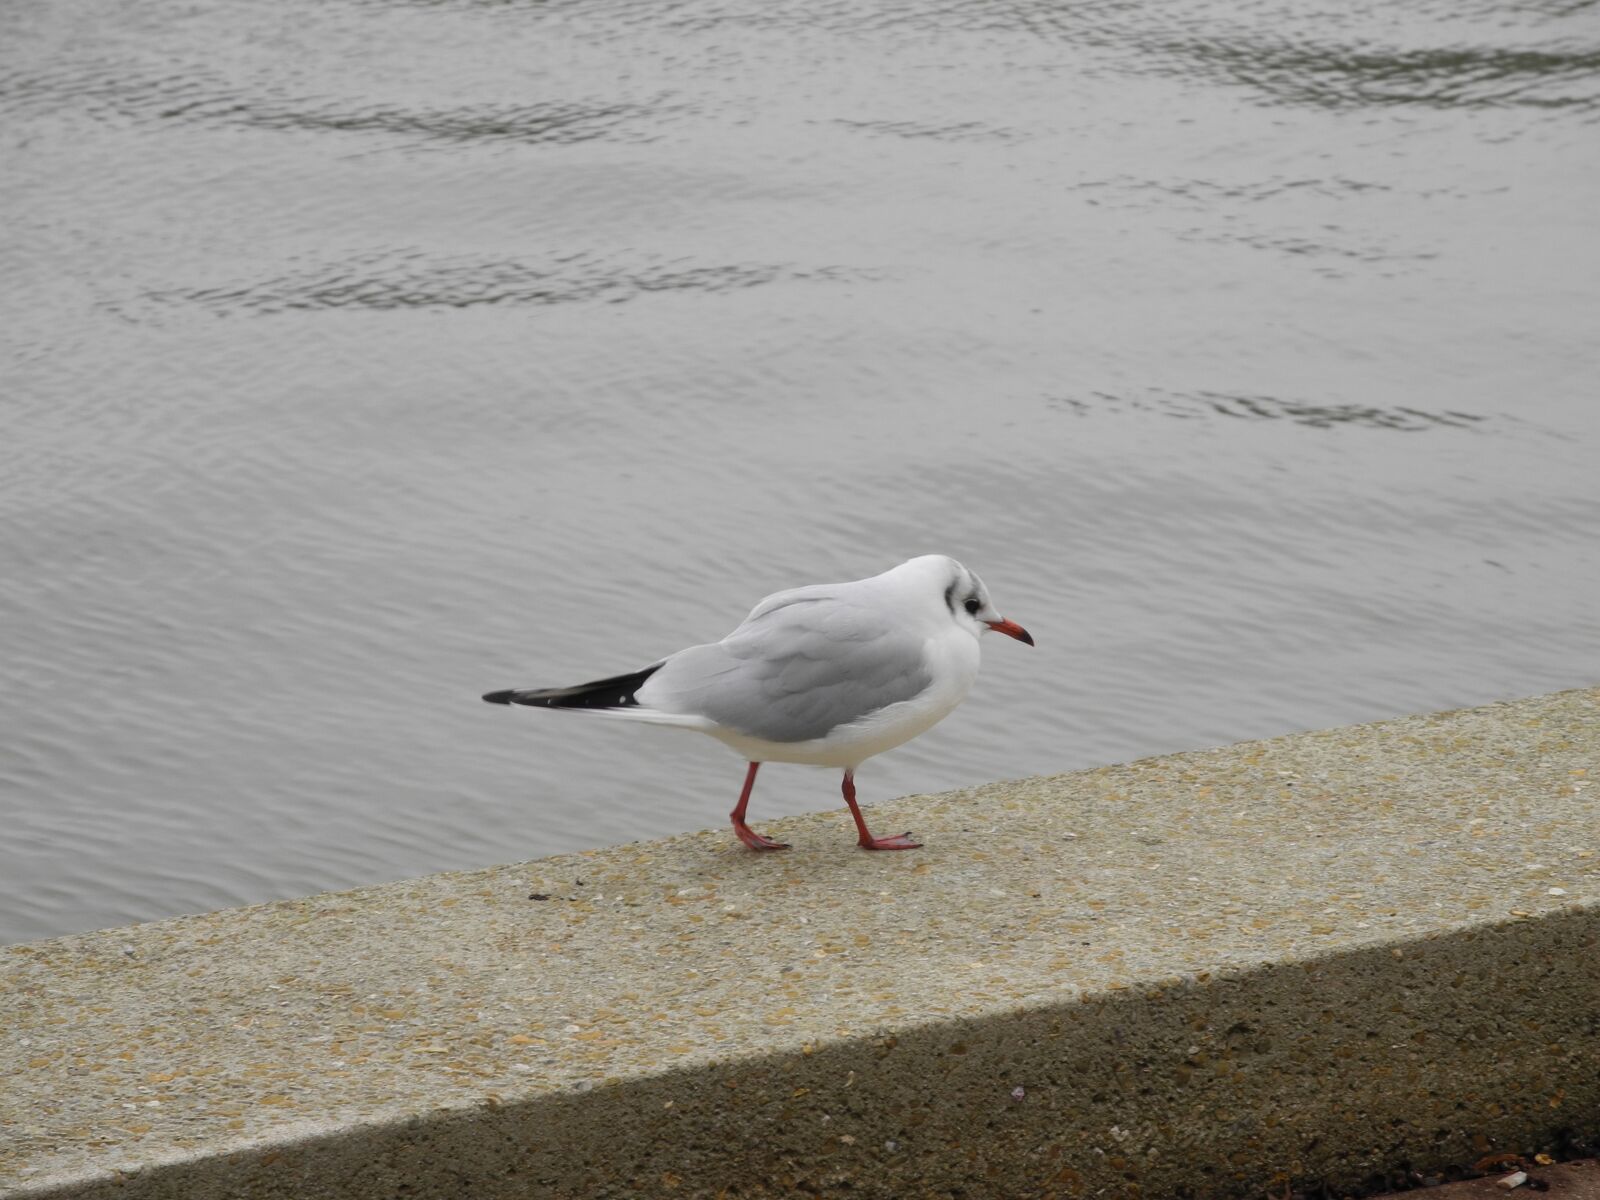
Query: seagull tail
{"points": [[602, 695]]}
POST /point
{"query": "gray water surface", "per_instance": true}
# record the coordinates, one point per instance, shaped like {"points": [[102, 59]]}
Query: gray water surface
{"points": [[361, 356]]}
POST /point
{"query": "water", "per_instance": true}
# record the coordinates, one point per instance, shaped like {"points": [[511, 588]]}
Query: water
{"points": [[360, 357]]}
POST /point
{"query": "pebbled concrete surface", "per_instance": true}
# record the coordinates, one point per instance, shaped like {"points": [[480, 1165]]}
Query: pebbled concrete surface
{"points": [[1279, 963]]}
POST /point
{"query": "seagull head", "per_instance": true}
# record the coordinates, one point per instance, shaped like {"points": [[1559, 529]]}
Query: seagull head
{"points": [[963, 595]]}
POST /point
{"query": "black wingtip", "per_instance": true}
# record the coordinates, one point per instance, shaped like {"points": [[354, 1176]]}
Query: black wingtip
{"points": [[620, 691]]}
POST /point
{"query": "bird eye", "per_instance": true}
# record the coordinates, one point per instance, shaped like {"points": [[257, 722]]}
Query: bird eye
{"points": [[972, 605]]}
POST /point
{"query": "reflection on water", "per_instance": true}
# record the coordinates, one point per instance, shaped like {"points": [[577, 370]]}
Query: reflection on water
{"points": [[362, 357]]}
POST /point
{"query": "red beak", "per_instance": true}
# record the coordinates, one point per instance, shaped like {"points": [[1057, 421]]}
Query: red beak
{"points": [[1012, 629]]}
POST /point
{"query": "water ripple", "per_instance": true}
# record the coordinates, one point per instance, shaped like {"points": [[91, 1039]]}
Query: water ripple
{"points": [[1205, 195], [1327, 242], [1344, 75], [399, 279], [107, 91], [1201, 404], [962, 131], [1351, 60]]}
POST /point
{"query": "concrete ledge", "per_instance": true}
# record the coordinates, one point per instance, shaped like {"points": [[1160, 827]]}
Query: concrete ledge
{"points": [[1311, 958]]}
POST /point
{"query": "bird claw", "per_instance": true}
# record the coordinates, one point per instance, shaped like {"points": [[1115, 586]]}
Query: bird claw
{"points": [[900, 841], [754, 840]]}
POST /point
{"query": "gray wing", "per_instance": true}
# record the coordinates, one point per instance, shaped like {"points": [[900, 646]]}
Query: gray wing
{"points": [[803, 664]]}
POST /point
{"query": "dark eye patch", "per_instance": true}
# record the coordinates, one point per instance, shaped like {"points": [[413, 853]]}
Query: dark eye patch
{"points": [[972, 605]]}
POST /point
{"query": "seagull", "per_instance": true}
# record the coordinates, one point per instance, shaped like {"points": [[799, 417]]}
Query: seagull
{"points": [[828, 675]]}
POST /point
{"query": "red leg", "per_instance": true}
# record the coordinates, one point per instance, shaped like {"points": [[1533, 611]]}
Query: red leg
{"points": [[745, 834], [900, 841]]}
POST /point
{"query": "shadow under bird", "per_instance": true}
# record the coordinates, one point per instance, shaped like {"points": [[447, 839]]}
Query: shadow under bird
{"points": [[829, 675]]}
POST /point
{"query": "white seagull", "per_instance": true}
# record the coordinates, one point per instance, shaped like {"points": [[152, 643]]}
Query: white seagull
{"points": [[829, 675]]}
